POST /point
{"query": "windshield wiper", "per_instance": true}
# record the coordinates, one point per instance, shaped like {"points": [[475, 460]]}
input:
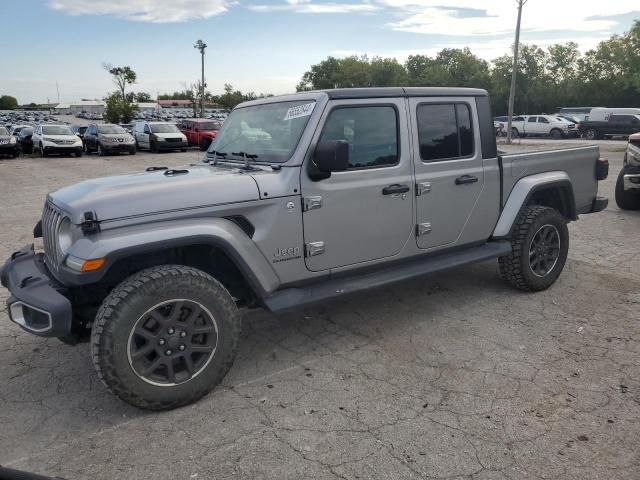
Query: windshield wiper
{"points": [[216, 155], [247, 157]]}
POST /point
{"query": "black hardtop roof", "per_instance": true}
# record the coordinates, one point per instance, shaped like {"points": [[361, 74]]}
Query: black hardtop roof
{"points": [[389, 92]]}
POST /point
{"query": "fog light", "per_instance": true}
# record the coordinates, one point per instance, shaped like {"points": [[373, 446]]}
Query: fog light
{"points": [[635, 180]]}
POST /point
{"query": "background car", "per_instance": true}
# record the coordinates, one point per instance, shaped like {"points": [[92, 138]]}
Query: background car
{"points": [[159, 136], [25, 141], [58, 139], [79, 130], [7, 143], [108, 138], [200, 131]]}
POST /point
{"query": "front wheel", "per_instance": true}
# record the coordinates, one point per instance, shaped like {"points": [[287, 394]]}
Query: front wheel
{"points": [[101, 152], [539, 247], [626, 200], [165, 337], [43, 153]]}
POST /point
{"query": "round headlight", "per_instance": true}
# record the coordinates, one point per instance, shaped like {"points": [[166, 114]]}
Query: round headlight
{"points": [[65, 238]]}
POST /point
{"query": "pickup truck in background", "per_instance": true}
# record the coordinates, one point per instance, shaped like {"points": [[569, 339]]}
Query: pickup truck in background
{"points": [[200, 131], [299, 200], [542, 125], [628, 183], [611, 125]]}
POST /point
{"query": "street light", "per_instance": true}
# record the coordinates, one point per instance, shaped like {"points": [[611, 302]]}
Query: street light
{"points": [[514, 70], [200, 45]]}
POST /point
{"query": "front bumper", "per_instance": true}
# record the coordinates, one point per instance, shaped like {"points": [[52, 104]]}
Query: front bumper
{"points": [[35, 303], [62, 149], [160, 145], [118, 147], [8, 148]]}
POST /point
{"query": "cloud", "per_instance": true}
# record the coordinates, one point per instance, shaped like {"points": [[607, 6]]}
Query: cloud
{"points": [[491, 17], [309, 6], [155, 11]]}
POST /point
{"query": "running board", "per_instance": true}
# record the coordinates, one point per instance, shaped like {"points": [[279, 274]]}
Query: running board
{"points": [[302, 296]]}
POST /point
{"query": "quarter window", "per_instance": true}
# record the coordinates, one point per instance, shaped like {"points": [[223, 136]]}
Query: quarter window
{"points": [[372, 134], [444, 131]]}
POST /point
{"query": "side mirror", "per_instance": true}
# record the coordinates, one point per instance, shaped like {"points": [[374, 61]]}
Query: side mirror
{"points": [[332, 156]]}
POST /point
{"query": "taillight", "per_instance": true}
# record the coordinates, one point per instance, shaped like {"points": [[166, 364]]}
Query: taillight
{"points": [[602, 169]]}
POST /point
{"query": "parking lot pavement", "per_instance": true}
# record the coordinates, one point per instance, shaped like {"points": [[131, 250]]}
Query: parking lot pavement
{"points": [[454, 376]]}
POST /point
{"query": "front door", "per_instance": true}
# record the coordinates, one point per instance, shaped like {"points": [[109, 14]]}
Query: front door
{"points": [[449, 170], [365, 213]]}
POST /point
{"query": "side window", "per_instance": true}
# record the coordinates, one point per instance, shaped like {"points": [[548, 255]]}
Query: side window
{"points": [[371, 131], [444, 131], [533, 119], [147, 129], [542, 120]]}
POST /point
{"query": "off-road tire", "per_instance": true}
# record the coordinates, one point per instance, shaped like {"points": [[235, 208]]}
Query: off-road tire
{"points": [[515, 268], [626, 200], [120, 312]]}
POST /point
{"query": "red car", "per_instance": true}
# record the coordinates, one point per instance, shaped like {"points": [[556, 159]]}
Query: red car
{"points": [[200, 131]]}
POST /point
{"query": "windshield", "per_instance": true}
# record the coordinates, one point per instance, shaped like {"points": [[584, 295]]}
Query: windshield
{"points": [[163, 128], [4, 131], [270, 131], [110, 129], [56, 130]]}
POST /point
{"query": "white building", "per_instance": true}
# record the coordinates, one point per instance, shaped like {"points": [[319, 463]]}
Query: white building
{"points": [[86, 106], [148, 107]]}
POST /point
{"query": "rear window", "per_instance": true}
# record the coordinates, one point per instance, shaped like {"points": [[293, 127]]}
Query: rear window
{"points": [[445, 131]]}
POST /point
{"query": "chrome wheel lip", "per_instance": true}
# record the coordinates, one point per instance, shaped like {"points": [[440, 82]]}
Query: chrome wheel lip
{"points": [[144, 315], [534, 246]]}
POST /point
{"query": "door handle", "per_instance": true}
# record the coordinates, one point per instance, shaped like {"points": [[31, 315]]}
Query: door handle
{"points": [[465, 179], [395, 188]]}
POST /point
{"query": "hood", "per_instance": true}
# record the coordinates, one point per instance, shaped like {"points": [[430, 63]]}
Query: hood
{"points": [[155, 192], [65, 138], [170, 135]]}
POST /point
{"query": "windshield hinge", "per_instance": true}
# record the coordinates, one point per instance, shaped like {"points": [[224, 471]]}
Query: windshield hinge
{"points": [[90, 223]]}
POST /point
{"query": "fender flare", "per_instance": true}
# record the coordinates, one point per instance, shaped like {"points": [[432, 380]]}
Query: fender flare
{"points": [[522, 192], [127, 241]]}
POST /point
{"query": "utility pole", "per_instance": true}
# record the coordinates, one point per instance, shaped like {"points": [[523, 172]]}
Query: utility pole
{"points": [[514, 70], [200, 45]]}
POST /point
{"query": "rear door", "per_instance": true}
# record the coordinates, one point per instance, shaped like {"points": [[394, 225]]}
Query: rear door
{"points": [[531, 127], [364, 213], [448, 167]]}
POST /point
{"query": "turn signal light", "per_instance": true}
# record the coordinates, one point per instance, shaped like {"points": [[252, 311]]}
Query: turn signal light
{"points": [[93, 265]]}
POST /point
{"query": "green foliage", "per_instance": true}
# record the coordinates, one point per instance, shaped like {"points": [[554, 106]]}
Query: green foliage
{"points": [[122, 76], [546, 78], [7, 102], [117, 110]]}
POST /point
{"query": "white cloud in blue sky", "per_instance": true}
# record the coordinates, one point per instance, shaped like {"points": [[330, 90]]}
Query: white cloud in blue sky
{"points": [[266, 45]]}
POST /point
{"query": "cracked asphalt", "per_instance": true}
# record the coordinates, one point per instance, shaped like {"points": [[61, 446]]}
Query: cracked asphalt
{"points": [[455, 376]]}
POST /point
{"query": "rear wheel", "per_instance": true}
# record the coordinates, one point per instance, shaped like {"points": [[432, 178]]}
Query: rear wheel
{"points": [[556, 134], [165, 337], [539, 243], [626, 200]]}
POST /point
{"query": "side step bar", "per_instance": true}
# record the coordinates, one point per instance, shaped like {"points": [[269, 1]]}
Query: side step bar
{"points": [[302, 296]]}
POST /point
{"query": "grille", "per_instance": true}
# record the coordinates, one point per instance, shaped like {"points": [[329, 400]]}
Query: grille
{"points": [[173, 139], [51, 219]]}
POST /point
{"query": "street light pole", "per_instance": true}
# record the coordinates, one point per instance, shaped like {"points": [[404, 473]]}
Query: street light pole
{"points": [[514, 70], [200, 45]]}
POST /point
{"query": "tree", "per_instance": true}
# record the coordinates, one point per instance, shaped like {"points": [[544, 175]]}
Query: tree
{"points": [[7, 102], [119, 110], [122, 76], [143, 97]]}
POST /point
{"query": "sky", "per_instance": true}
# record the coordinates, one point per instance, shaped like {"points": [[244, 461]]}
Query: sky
{"points": [[263, 46]]}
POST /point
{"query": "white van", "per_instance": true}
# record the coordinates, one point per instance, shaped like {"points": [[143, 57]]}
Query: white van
{"points": [[603, 114], [159, 136]]}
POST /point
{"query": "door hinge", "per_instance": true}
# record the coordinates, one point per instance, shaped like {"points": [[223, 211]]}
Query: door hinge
{"points": [[423, 229], [422, 188], [312, 249], [311, 203]]}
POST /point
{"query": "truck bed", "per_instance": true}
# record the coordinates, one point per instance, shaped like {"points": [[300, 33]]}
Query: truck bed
{"points": [[579, 163]]}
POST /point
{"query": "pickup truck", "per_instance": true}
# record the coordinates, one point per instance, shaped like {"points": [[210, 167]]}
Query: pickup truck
{"points": [[200, 132], [300, 199], [628, 183], [542, 125], [612, 125]]}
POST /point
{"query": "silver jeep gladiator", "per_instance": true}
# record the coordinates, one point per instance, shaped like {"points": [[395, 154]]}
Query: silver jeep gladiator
{"points": [[300, 199]]}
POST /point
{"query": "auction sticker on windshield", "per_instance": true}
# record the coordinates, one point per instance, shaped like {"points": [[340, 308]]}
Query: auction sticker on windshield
{"points": [[300, 111]]}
